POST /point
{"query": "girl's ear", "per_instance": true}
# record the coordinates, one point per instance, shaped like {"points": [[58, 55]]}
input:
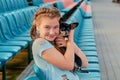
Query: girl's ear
{"points": [[74, 25]]}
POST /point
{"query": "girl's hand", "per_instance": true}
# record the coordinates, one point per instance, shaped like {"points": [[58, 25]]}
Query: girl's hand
{"points": [[60, 41]]}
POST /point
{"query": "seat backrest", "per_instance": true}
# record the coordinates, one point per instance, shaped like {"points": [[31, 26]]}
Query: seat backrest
{"points": [[39, 73], [5, 28], [29, 15], [20, 21], [1, 7], [22, 3], [10, 5], [5, 6], [59, 5], [11, 22], [2, 38], [67, 3], [37, 2], [76, 17]]}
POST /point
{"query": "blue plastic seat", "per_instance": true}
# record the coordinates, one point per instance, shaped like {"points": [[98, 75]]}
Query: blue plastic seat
{"points": [[2, 10], [37, 2], [92, 59], [92, 67], [5, 42], [77, 0], [87, 48], [86, 44], [60, 6], [13, 49], [15, 5], [7, 32], [41, 3], [4, 58], [85, 15], [10, 5], [21, 23], [90, 53], [1, 63], [13, 27], [86, 40], [32, 78], [29, 17], [89, 76], [39, 73], [5, 7], [83, 12]]}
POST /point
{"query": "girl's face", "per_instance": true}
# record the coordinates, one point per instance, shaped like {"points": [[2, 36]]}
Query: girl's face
{"points": [[49, 28]]}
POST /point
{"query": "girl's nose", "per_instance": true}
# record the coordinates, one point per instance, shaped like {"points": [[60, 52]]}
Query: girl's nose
{"points": [[51, 32]]}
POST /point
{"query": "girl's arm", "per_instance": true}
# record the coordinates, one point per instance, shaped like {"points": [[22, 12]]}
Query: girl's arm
{"points": [[59, 60], [79, 53]]}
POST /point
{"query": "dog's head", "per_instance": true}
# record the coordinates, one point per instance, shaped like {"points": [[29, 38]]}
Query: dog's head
{"points": [[65, 28]]}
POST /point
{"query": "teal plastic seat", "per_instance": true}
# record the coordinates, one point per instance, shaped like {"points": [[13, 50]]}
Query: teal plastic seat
{"points": [[4, 5], [87, 48], [86, 44], [84, 13], [90, 53], [37, 2], [7, 32], [92, 67], [32, 78], [41, 3], [92, 59], [21, 24], [13, 49], [11, 43], [61, 7], [2, 10], [39, 73], [5, 42], [89, 76], [4, 58]]}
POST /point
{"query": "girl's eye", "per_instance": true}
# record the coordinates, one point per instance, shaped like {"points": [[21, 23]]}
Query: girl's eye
{"points": [[56, 26], [47, 27]]}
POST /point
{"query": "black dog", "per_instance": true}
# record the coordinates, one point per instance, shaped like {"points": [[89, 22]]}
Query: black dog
{"points": [[64, 30]]}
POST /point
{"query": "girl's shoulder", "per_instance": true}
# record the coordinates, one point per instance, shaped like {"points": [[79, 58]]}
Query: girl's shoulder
{"points": [[40, 45], [41, 41]]}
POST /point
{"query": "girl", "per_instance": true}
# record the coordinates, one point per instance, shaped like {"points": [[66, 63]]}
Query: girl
{"points": [[45, 33]]}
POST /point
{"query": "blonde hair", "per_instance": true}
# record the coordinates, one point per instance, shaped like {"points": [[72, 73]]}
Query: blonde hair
{"points": [[50, 12]]}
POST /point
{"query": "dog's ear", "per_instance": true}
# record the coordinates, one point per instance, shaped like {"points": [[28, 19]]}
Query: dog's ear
{"points": [[74, 25], [61, 20]]}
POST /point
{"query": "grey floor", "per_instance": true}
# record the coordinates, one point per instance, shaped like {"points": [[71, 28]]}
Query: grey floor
{"points": [[106, 19]]}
